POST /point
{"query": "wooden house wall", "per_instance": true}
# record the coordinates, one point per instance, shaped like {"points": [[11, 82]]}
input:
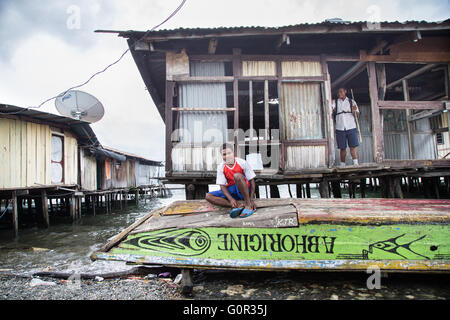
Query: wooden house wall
{"points": [[25, 155], [70, 159], [146, 174], [113, 176], [88, 172]]}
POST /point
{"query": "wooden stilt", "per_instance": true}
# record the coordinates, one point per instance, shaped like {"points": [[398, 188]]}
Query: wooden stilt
{"points": [[257, 191], [44, 203], [336, 189], [362, 186], [72, 208], [289, 189], [274, 191], [298, 190], [308, 191], [324, 189], [136, 196], [15, 214], [30, 206], [186, 283], [93, 198]]}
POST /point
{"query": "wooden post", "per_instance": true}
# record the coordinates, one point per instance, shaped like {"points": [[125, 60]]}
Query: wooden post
{"points": [[336, 189], [72, 207], [298, 190], [257, 191], [289, 189], [266, 111], [274, 192], [136, 196], [408, 123], [93, 204], [362, 187], [107, 202], [398, 193], [186, 281], [15, 214], [377, 135], [308, 190], [44, 202], [324, 189]]}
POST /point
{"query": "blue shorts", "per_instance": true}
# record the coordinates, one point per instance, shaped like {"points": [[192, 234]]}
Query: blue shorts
{"points": [[350, 136], [233, 190]]}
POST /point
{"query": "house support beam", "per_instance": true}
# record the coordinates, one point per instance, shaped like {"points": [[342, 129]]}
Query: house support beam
{"points": [[411, 75], [357, 68], [377, 137]]}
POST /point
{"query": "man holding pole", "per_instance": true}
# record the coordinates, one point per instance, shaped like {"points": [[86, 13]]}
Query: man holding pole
{"points": [[345, 112]]}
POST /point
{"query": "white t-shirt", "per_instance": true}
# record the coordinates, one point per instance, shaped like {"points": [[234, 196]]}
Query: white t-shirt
{"points": [[238, 164], [345, 121]]}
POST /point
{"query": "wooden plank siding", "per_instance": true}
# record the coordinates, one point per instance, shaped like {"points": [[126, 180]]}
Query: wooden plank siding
{"points": [[25, 155]]}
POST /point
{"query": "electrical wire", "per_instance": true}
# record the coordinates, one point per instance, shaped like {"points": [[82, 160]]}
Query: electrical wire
{"points": [[107, 67]]}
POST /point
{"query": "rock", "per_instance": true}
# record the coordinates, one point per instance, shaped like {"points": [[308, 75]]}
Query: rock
{"points": [[38, 282], [364, 295], [197, 289], [248, 293], [150, 276], [409, 296], [334, 297], [99, 279], [293, 298], [233, 290]]}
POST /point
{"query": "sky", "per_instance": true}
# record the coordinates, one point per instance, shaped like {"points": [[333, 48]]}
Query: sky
{"points": [[48, 46]]}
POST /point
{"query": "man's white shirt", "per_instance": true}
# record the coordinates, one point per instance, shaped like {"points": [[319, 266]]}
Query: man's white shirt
{"points": [[345, 121]]}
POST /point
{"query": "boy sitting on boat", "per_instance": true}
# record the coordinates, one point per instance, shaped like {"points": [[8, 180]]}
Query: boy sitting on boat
{"points": [[236, 180]]}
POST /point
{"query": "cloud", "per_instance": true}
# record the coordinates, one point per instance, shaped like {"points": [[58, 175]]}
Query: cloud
{"points": [[70, 21]]}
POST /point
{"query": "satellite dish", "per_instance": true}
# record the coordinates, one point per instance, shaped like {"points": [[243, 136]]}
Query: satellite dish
{"points": [[79, 105]]}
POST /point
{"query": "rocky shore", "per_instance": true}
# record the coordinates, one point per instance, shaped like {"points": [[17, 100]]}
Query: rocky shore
{"points": [[228, 285]]}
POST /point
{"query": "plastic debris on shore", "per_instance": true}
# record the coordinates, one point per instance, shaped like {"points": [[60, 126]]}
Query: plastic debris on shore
{"points": [[178, 278], [38, 282]]}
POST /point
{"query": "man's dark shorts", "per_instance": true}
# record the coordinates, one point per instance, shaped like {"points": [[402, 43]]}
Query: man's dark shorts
{"points": [[347, 136]]}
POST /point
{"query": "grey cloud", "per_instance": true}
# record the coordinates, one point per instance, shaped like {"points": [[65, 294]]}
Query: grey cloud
{"points": [[20, 19]]}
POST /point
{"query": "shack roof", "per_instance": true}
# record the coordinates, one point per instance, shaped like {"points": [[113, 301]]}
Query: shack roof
{"points": [[328, 26], [332, 37], [81, 129], [134, 156]]}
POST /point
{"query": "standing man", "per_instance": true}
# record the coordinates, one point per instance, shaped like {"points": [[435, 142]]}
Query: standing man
{"points": [[345, 111], [236, 180]]}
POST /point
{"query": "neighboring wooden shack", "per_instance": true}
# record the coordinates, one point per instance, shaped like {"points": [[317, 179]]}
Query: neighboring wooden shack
{"points": [[53, 162], [118, 169], [273, 88]]}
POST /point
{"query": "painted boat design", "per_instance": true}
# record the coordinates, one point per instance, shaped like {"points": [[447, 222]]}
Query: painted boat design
{"points": [[284, 234]]}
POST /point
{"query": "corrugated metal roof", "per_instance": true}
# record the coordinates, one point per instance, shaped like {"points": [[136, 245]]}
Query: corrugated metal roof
{"points": [[333, 26], [132, 155]]}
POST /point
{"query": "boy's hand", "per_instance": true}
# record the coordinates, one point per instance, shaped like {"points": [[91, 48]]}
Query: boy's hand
{"points": [[234, 203]]}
